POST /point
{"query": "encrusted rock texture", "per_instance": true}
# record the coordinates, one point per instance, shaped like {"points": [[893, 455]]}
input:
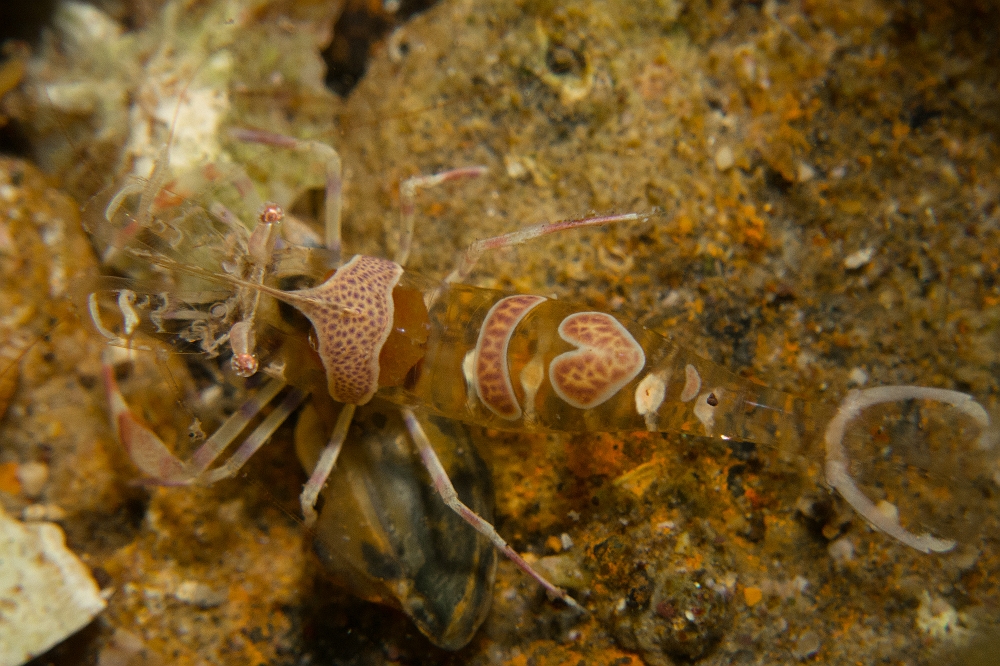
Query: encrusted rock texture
{"points": [[825, 184]]}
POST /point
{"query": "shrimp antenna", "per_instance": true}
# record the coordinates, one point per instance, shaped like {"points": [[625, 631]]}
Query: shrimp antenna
{"points": [[290, 297]]}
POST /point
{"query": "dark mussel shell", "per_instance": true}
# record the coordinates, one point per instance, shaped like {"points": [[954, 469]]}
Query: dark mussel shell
{"points": [[385, 533]]}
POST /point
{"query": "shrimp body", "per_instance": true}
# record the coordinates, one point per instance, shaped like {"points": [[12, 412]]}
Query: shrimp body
{"points": [[529, 363], [508, 361]]}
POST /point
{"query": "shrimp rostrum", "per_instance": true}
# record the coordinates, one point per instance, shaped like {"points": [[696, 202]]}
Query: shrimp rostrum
{"points": [[508, 361]]}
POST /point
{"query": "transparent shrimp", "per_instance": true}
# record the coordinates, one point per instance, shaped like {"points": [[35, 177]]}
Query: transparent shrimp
{"points": [[529, 363], [516, 362], [198, 307], [410, 529], [536, 364]]}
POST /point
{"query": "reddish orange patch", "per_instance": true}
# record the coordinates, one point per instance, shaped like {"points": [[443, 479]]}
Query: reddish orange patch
{"points": [[168, 197], [603, 455], [752, 595]]}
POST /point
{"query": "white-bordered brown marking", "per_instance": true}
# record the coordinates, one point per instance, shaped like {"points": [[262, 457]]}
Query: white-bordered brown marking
{"points": [[606, 359], [492, 376]]}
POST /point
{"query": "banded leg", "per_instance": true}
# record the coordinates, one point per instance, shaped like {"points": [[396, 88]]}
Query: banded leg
{"points": [[408, 205], [334, 178], [447, 491], [256, 439], [465, 263], [325, 464]]}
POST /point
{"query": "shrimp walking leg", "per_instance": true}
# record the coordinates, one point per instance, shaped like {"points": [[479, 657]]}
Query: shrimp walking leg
{"points": [[324, 466], [447, 491], [257, 438], [334, 177], [408, 206], [472, 254], [154, 459]]}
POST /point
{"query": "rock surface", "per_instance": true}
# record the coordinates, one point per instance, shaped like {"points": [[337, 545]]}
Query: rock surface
{"points": [[46, 592], [830, 173]]}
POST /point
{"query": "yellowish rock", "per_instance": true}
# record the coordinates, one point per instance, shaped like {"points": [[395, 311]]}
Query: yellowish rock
{"points": [[46, 592]]}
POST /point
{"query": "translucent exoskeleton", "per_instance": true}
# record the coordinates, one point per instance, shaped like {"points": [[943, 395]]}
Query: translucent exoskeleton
{"points": [[509, 361]]}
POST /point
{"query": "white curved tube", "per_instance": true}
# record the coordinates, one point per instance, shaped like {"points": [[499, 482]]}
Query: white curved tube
{"points": [[836, 456]]}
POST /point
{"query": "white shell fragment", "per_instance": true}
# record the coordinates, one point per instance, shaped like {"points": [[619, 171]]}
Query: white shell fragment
{"points": [[724, 159], [46, 592], [859, 258], [805, 172], [33, 477], [199, 594]]}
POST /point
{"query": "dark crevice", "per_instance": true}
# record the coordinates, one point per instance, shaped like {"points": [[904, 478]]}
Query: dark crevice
{"points": [[360, 28], [14, 140], [24, 20], [20, 22]]}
